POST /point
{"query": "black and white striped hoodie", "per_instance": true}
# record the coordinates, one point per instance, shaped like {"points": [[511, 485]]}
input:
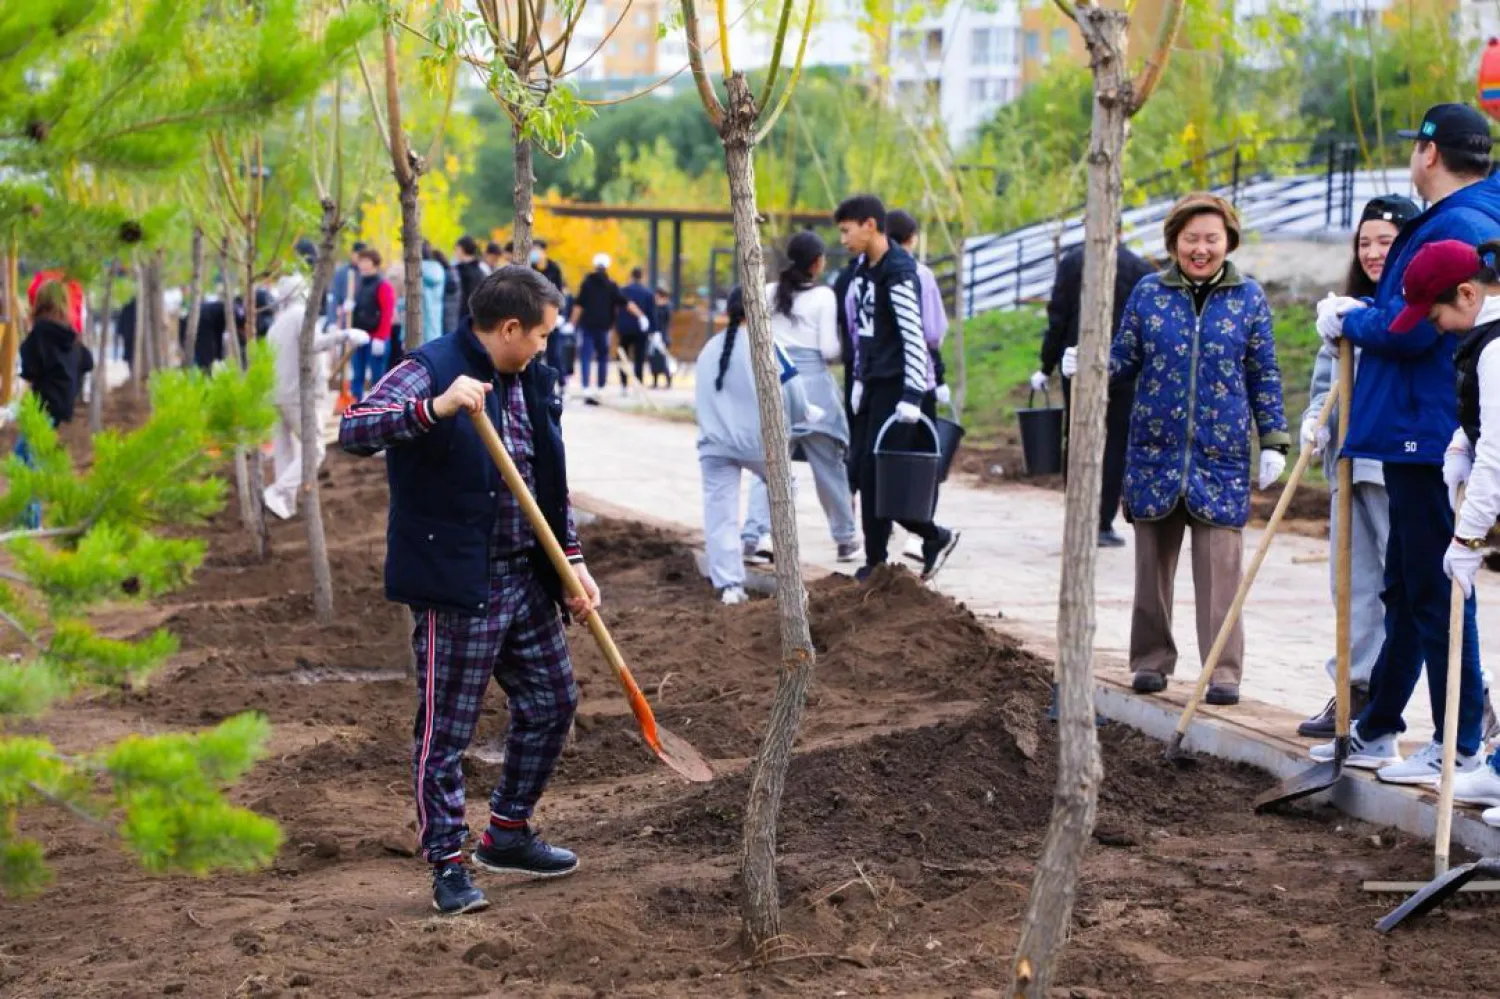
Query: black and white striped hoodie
{"points": [[888, 318]]}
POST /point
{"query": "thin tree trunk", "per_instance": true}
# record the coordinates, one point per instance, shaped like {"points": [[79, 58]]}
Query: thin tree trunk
{"points": [[260, 531], [142, 319], [232, 357], [146, 341], [163, 355], [523, 192], [311, 418], [101, 352], [408, 168], [760, 905], [1050, 906], [195, 297]]}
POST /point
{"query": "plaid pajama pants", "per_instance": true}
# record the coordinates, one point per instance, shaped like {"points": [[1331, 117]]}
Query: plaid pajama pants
{"points": [[522, 644]]}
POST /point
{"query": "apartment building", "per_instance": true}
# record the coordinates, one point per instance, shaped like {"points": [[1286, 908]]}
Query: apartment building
{"points": [[959, 64]]}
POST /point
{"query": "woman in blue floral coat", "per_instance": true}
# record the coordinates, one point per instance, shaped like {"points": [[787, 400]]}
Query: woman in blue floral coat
{"points": [[1197, 340]]}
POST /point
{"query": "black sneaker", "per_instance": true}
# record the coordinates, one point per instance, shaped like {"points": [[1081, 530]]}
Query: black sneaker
{"points": [[1147, 682], [1323, 724], [863, 573], [1222, 694], [453, 890], [521, 851], [935, 552], [1110, 538]]}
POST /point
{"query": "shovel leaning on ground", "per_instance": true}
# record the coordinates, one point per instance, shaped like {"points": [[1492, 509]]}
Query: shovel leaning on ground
{"points": [[1323, 776], [1445, 883], [1211, 661], [673, 750]]}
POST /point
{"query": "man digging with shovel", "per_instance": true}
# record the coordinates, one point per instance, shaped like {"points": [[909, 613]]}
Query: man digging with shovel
{"points": [[462, 554]]}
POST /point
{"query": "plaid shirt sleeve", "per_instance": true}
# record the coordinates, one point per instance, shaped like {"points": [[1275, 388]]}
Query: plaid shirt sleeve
{"points": [[571, 547], [398, 409]]}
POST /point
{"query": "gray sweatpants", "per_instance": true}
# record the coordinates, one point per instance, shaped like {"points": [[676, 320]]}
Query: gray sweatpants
{"points": [[1368, 534], [721, 516], [831, 477]]}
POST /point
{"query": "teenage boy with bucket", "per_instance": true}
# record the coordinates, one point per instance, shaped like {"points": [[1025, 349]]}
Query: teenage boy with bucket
{"points": [[890, 379]]}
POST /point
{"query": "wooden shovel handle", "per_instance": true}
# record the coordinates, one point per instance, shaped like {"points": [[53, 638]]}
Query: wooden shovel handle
{"points": [[1343, 564], [1450, 721], [1222, 638], [559, 560]]}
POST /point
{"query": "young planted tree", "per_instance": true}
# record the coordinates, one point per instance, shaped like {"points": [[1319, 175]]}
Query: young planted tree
{"points": [[739, 124], [161, 795], [1116, 98]]}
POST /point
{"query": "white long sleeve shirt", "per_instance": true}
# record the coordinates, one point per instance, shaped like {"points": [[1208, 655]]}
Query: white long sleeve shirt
{"points": [[1482, 500], [283, 335], [813, 324]]}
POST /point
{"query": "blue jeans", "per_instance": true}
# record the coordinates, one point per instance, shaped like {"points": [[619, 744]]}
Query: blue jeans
{"points": [[31, 519], [365, 363], [1416, 596], [592, 345]]}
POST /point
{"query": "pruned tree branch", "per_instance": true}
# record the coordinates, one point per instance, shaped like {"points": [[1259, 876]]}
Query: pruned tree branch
{"points": [[1066, 6], [695, 63], [791, 84], [775, 67], [1146, 80]]}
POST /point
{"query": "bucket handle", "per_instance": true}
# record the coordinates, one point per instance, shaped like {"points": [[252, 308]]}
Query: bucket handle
{"points": [[1046, 399], [937, 443]]}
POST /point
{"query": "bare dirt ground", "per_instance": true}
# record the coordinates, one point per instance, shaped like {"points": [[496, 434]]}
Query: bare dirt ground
{"points": [[913, 815]]}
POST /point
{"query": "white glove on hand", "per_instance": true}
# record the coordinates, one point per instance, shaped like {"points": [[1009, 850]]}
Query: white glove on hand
{"points": [[1038, 382], [944, 395], [907, 413], [356, 338], [1461, 564], [1457, 464], [814, 413], [377, 348], [1272, 464], [566, 328], [857, 396], [657, 343], [644, 323], [1070, 362], [1314, 436], [1331, 312]]}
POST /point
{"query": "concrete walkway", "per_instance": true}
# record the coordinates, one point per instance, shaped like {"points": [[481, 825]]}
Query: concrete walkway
{"points": [[1008, 566]]}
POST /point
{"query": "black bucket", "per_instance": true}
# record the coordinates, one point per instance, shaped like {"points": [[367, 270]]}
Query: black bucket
{"points": [[950, 436], [906, 481], [1041, 436]]}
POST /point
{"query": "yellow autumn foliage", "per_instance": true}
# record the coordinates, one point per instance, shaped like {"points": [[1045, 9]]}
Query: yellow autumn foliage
{"points": [[442, 212], [572, 242]]}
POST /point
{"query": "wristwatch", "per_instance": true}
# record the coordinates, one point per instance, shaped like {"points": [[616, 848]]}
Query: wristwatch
{"points": [[1473, 544]]}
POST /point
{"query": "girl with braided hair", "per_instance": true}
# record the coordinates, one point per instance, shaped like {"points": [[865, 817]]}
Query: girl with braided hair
{"points": [[729, 441]]}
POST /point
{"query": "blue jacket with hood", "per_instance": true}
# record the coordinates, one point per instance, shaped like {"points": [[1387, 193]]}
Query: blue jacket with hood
{"points": [[1404, 408]]}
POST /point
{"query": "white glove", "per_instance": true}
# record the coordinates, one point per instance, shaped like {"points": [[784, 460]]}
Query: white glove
{"points": [[1457, 464], [657, 343], [1272, 464], [356, 338], [1038, 382], [1070, 362], [377, 348], [645, 323], [1461, 564], [944, 395], [1331, 312], [1314, 436], [907, 412], [814, 413], [566, 328], [857, 396]]}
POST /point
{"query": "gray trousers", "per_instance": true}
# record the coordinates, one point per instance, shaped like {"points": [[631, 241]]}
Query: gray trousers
{"points": [[831, 477], [1368, 533], [721, 516]]}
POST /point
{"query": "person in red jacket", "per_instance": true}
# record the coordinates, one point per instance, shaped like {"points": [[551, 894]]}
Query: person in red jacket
{"points": [[374, 313], [75, 296]]}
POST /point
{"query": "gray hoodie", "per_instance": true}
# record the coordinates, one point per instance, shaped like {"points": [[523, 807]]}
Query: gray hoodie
{"points": [[729, 419]]}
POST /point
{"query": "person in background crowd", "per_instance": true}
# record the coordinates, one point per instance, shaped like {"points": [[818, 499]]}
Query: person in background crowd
{"points": [[496, 256], [462, 555], [1198, 339], [341, 291], [635, 336], [1463, 287], [841, 283], [434, 282], [1379, 225], [285, 340], [125, 331], [470, 272], [891, 370], [593, 315], [729, 442], [662, 324], [374, 313], [545, 265], [77, 307], [1403, 415], [53, 356], [208, 342], [902, 229], [1062, 332]]}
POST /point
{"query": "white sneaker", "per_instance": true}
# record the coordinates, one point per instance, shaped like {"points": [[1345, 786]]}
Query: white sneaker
{"points": [[1491, 817], [1480, 786], [276, 504], [1425, 767], [1363, 755], [733, 595]]}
